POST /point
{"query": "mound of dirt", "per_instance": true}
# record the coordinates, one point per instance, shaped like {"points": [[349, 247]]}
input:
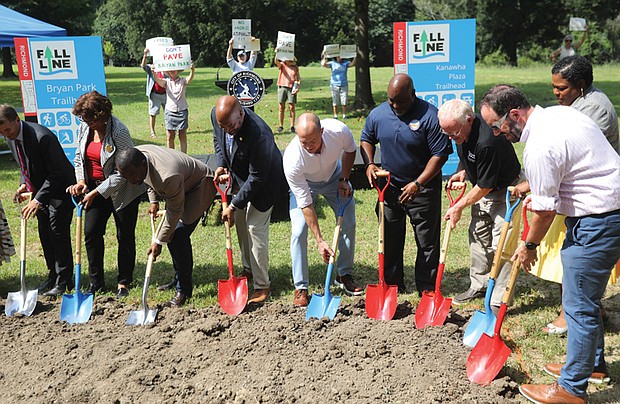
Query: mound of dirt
{"points": [[268, 354]]}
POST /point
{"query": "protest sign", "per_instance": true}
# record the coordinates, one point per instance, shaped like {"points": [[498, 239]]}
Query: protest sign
{"points": [[166, 58], [286, 46], [153, 43], [348, 51], [577, 24], [241, 33], [253, 45], [332, 50]]}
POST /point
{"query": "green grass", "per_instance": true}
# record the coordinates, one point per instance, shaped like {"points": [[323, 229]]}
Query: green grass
{"points": [[536, 301]]}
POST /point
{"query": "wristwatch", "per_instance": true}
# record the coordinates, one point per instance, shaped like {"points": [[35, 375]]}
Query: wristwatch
{"points": [[531, 246], [420, 186]]}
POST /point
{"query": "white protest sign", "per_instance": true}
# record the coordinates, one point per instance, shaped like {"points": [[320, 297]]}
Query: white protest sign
{"points": [[577, 24], [332, 50], [241, 33], [166, 58], [253, 45], [348, 51], [153, 43], [286, 46]]}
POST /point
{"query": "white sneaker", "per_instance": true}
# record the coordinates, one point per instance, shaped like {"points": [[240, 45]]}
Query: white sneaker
{"points": [[335, 116], [344, 116]]}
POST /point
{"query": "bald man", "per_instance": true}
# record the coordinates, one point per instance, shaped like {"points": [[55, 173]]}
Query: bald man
{"points": [[413, 149], [246, 153], [313, 167]]}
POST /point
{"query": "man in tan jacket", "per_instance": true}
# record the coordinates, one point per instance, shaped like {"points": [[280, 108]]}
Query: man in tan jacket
{"points": [[187, 187]]}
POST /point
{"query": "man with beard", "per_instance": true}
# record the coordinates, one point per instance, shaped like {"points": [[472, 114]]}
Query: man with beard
{"points": [[572, 170]]}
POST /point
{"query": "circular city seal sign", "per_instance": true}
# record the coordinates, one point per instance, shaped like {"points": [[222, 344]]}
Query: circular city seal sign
{"points": [[247, 87]]}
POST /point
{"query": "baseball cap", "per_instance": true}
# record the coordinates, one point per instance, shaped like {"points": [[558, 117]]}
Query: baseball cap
{"points": [[240, 53]]}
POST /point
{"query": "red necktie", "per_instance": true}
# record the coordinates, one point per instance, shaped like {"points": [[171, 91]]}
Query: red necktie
{"points": [[23, 165]]}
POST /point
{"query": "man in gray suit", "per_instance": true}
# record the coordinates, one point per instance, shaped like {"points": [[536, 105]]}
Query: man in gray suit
{"points": [[188, 189]]}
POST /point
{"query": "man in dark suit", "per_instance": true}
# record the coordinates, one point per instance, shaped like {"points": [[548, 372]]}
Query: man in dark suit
{"points": [[245, 148], [188, 189], [46, 173]]}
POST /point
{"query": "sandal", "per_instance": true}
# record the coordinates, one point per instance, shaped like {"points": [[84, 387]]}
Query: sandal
{"points": [[153, 135], [554, 329]]}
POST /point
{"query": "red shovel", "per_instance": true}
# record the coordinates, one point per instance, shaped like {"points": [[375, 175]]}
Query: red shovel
{"points": [[490, 353], [434, 308], [232, 293], [381, 299]]}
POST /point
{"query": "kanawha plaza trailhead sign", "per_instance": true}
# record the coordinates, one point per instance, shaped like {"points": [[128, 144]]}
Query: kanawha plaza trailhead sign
{"points": [[440, 57], [247, 86]]}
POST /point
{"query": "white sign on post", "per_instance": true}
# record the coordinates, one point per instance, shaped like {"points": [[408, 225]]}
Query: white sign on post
{"points": [[166, 58], [348, 51], [153, 43], [577, 24], [253, 45], [286, 46], [332, 50], [241, 33]]}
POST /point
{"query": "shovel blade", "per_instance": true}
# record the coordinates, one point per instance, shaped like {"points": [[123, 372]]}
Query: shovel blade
{"points": [[480, 323], [15, 303], [76, 307], [381, 301], [141, 317], [232, 294], [432, 310], [323, 306], [487, 359]]}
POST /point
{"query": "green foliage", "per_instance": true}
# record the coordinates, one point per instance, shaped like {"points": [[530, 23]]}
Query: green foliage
{"points": [[383, 14], [270, 54], [76, 16], [497, 58]]}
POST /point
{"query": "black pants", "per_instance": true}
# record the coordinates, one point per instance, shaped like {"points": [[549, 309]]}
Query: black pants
{"points": [[425, 216], [95, 222], [182, 256], [55, 236]]}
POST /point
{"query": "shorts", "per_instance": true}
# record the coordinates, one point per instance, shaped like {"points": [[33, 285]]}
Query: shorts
{"points": [[339, 93], [156, 102], [286, 94], [176, 120]]}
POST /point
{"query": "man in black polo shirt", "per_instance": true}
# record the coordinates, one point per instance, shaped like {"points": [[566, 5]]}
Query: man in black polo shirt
{"points": [[491, 164]]}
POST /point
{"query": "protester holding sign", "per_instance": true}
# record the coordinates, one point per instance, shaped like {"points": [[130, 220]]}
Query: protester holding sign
{"points": [[568, 49], [177, 109], [155, 93], [288, 86], [243, 63], [338, 83]]}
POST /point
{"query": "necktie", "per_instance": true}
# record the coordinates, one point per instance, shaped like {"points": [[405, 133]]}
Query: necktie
{"points": [[23, 165]]}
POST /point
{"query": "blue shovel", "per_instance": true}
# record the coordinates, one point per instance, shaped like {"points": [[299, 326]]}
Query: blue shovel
{"points": [[484, 322], [326, 305], [76, 307]]}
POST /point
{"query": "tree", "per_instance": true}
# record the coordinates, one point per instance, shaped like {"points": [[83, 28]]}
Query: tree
{"points": [[363, 91]]}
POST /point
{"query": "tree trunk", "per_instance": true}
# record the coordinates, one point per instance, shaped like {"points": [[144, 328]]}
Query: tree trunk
{"points": [[7, 63], [363, 91]]}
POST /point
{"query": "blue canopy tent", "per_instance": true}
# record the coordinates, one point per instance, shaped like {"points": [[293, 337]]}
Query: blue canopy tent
{"points": [[15, 25]]}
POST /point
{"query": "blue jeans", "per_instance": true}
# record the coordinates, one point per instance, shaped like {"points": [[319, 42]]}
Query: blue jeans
{"points": [[299, 231], [591, 249]]}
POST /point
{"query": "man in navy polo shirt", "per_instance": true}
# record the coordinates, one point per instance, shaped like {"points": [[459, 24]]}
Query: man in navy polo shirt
{"points": [[413, 149]]}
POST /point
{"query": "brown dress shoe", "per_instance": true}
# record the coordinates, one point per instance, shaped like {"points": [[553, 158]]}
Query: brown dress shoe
{"points": [[259, 295], [554, 369], [300, 298], [177, 301], [549, 394]]}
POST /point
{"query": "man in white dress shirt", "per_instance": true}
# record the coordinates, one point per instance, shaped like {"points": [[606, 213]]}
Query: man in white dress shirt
{"points": [[574, 171], [313, 166]]}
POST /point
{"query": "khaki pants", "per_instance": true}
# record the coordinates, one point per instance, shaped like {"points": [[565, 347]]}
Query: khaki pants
{"points": [[253, 234]]}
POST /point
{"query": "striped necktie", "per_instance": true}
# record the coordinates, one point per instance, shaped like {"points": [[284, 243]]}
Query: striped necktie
{"points": [[23, 165]]}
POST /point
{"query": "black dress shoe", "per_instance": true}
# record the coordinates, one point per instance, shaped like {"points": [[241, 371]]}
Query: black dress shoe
{"points": [[177, 301], [92, 289], [122, 292], [56, 290], [49, 283], [167, 286]]}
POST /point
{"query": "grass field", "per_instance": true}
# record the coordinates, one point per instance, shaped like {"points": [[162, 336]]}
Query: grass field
{"points": [[536, 301]]}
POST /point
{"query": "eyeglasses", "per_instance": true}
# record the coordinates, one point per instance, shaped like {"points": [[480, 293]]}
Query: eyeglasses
{"points": [[568, 40], [453, 134], [500, 122]]}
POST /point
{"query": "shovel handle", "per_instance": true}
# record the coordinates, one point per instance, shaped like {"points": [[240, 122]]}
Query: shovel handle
{"points": [[382, 174], [510, 208], [223, 192], [455, 186], [342, 207]]}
